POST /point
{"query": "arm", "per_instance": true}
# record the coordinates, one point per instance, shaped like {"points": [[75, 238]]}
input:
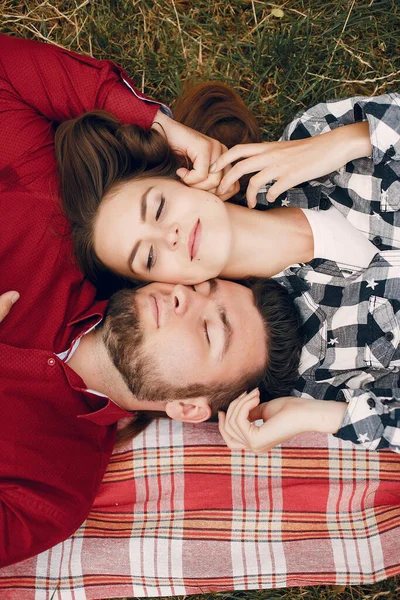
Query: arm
{"points": [[42, 84], [283, 418], [279, 161], [382, 113], [369, 419], [362, 126]]}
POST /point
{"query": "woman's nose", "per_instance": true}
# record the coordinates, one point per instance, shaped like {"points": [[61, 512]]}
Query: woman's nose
{"points": [[172, 236]]}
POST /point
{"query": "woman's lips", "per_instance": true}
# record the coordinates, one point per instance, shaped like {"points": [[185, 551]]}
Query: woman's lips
{"points": [[194, 240]]}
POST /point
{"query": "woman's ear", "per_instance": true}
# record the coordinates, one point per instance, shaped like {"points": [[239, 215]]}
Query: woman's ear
{"points": [[189, 410]]}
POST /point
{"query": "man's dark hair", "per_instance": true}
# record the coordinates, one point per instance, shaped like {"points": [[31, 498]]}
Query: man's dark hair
{"points": [[285, 337]]}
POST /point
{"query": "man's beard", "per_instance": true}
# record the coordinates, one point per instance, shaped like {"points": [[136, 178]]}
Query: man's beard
{"points": [[124, 341], [123, 337]]}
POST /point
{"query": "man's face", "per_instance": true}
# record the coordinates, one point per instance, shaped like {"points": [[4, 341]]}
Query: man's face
{"points": [[205, 334]]}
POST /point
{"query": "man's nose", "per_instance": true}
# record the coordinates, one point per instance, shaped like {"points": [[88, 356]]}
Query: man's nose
{"points": [[180, 297]]}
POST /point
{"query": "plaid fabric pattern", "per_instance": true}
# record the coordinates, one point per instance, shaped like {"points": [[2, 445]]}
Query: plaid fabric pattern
{"points": [[352, 336], [365, 191], [179, 513]]}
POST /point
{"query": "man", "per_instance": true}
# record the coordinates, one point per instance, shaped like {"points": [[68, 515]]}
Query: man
{"points": [[150, 352], [56, 436]]}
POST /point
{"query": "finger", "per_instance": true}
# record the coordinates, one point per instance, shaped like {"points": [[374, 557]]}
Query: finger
{"points": [[232, 443], [229, 193], [255, 184], [230, 419], [237, 423], [234, 189], [244, 408], [6, 302], [209, 151], [279, 187], [236, 153], [243, 167]]}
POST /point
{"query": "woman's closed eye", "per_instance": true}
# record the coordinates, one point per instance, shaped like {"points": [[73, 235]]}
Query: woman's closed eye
{"points": [[151, 259], [160, 209]]}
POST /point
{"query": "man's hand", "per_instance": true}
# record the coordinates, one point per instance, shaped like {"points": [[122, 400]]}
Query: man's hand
{"points": [[202, 150], [292, 162], [6, 301], [283, 418]]}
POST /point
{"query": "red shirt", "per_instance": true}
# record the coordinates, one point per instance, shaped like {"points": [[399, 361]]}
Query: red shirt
{"points": [[54, 442]]}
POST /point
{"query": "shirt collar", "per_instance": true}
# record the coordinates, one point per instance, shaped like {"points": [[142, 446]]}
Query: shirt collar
{"points": [[109, 414], [104, 410]]}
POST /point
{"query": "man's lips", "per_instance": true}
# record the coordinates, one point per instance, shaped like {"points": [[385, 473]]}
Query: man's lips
{"points": [[154, 306], [194, 239]]}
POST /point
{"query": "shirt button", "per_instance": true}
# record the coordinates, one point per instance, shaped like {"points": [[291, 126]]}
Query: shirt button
{"points": [[371, 402], [389, 336], [324, 203], [391, 152], [51, 362], [377, 240]]}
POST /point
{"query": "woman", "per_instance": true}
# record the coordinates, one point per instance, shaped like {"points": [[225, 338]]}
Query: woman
{"points": [[132, 215]]}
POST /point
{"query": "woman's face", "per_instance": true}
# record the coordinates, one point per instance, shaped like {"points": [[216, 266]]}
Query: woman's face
{"points": [[158, 229]]}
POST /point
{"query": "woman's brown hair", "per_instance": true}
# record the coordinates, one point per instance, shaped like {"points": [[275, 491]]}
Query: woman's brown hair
{"points": [[96, 152]]}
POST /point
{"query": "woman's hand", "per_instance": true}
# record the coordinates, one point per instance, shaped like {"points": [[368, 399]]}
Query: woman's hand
{"points": [[6, 301], [202, 150], [283, 418], [292, 162]]}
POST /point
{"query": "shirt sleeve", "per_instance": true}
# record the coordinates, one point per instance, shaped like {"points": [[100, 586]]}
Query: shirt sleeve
{"points": [[372, 419], [381, 112], [41, 84], [33, 528]]}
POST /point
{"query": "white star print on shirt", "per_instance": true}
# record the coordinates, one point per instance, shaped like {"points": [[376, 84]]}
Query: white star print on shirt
{"points": [[333, 341], [362, 438], [371, 283], [285, 202]]}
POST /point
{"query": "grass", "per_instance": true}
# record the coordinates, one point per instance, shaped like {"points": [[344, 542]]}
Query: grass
{"points": [[279, 60]]}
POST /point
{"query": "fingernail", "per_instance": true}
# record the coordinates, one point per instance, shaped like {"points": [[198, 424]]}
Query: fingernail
{"points": [[212, 169], [14, 297]]}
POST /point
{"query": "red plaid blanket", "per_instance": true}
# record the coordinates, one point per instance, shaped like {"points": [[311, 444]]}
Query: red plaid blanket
{"points": [[179, 513]]}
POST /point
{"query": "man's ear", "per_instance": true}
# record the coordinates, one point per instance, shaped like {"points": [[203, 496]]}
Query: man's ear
{"points": [[189, 410]]}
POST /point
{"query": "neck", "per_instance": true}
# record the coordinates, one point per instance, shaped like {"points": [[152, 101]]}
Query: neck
{"points": [[93, 364], [266, 242]]}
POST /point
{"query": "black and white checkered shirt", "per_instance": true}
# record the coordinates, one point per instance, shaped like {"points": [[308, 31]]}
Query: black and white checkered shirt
{"points": [[351, 323], [366, 191], [351, 317]]}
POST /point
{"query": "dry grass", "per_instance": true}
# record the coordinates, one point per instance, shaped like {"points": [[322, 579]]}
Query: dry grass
{"points": [[279, 60]]}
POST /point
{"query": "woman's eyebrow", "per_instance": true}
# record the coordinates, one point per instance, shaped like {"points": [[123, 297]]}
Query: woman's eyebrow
{"points": [[143, 204], [143, 211]]}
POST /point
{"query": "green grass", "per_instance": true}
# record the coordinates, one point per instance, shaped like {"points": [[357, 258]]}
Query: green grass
{"points": [[316, 50]]}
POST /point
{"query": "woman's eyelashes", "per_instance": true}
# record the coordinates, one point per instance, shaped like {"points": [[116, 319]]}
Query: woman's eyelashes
{"points": [[151, 260], [160, 210]]}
